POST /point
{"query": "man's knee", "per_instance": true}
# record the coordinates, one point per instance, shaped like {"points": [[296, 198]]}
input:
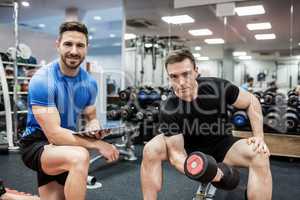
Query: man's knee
{"points": [[80, 156], [155, 149], [260, 160]]}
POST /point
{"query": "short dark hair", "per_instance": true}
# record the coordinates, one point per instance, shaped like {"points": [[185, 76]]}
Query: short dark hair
{"points": [[179, 56], [73, 26], [250, 79]]}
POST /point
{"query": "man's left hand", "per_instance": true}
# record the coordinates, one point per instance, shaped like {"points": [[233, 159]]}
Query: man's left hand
{"points": [[259, 145]]}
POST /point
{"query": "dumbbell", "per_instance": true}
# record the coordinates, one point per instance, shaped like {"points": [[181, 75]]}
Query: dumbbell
{"points": [[291, 119], [273, 118], [269, 98], [279, 99], [152, 114], [203, 168], [240, 118], [128, 112], [114, 114], [125, 94], [293, 99]]}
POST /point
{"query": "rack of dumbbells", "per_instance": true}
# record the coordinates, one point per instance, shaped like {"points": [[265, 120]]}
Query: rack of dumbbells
{"points": [[280, 113], [139, 106], [281, 122]]}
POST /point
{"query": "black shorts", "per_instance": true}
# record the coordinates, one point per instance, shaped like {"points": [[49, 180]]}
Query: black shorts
{"points": [[216, 149], [32, 147]]}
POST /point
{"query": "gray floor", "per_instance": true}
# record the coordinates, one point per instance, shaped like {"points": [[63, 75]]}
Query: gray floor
{"points": [[121, 181]]}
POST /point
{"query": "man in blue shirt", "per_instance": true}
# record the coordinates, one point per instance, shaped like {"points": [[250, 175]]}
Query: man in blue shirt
{"points": [[248, 86], [58, 94]]}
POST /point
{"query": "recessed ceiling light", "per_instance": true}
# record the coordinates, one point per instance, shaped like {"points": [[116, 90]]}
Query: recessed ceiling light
{"points": [[25, 3], [196, 55], [203, 58], [200, 32], [245, 57], [42, 25], [98, 18], [112, 35], [299, 43], [93, 29], [117, 44], [214, 41], [197, 48], [270, 36], [259, 26], [250, 10], [178, 19], [129, 36], [239, 53]]}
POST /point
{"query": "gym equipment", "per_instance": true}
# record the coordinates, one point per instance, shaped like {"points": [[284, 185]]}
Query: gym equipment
{"points": [[203, 168], [280, 99], [125, 94], [273, 118], [269, 98], [200, 167], [293, 99], [205, 191], [291, 119], [128, 112], [240, 118], [126, 149]]}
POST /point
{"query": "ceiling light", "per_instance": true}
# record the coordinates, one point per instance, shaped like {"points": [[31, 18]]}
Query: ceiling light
{"points": [[90, 37], [200, 32], [92, 29], [196, 55], [250, 10], [98, 18], [239, 53], [299, 43], [117, 44], [25, 3], [245, 57], [214, 41], [203, 58], [112, 35], [148, 45], [259, 26], [265, 36], [42, 25], [129, 36], [197, 48], [179, 19]]}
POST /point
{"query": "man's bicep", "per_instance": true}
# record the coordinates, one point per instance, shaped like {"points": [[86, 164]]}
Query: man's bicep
{"points": [[243, 100], [47, 117], [175, 142]]}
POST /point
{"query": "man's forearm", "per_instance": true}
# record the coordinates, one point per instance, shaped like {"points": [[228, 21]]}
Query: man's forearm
{"points": [[256, 118], [62, 136]]}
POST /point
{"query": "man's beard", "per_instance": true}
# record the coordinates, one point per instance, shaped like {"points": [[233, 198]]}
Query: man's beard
{"points": [[71, 67]]}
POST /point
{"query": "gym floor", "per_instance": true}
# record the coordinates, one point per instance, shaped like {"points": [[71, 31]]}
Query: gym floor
{"points": [[121, 181]]}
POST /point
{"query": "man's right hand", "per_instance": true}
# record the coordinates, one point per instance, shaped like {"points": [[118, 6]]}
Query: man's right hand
{"points": [[109, 151]]}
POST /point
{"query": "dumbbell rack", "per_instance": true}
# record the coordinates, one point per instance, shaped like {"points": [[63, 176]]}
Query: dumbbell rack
{"points": [[279, 144], [10, 114]]}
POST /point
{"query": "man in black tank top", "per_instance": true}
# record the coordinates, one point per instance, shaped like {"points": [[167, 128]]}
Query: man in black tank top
{"points": [[194, 118]]}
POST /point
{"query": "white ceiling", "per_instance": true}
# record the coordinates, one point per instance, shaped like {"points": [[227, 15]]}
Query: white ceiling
{"points": [[237, 36]]}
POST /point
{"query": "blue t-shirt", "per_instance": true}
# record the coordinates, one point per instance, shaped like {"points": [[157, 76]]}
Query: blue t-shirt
{"points": [[70, 95]]}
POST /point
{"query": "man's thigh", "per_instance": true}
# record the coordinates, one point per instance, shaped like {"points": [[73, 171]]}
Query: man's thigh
{"points": [[56, 160], [239, 154]]}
